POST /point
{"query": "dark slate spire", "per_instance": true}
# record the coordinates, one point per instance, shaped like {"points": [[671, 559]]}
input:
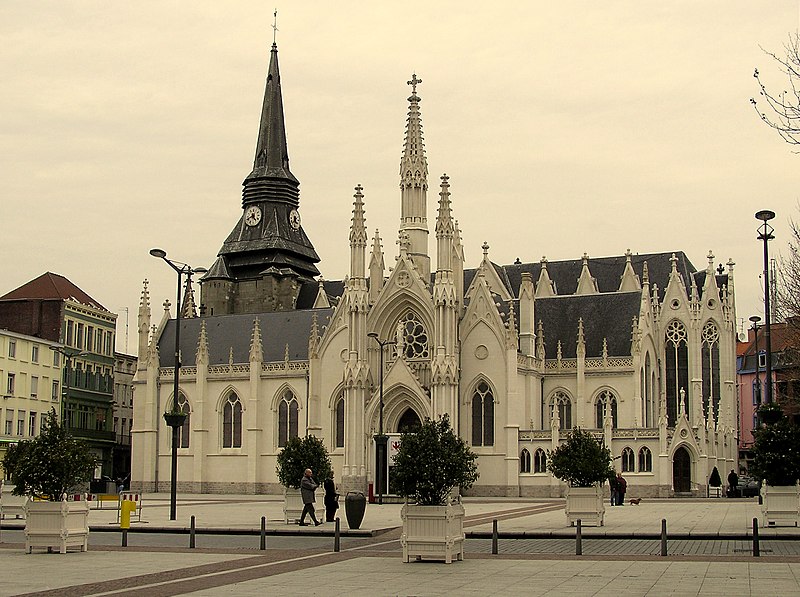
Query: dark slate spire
{"points": [[271, 179]]}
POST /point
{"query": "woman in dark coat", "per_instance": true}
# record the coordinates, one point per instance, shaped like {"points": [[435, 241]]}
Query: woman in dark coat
{"points": [[331, 499]]}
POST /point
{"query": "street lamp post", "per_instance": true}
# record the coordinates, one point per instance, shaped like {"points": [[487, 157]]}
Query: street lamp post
{"points": [[381, 440], [765, 234], [174, 418], [757, 388], [68, 355]]}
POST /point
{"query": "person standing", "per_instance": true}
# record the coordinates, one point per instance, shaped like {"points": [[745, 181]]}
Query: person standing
{"points": [[622, 487], [331, 499], [307, 488], [612, 484], [733, 484]]}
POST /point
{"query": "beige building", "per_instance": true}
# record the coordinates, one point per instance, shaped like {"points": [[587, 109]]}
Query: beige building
{"points": [[30, 374], [638, 348]]}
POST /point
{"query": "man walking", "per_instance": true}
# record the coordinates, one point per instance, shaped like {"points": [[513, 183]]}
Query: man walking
{"points": [[307, 488]]}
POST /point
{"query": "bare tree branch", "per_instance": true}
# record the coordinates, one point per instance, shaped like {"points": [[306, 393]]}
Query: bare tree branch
{"points": [[781, 110]]}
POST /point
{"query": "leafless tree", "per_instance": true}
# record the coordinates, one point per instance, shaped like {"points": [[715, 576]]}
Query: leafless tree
{"points": [[781, 110]]}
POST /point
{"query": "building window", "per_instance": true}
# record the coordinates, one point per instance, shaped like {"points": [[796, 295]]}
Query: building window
{"points": [[338, 410], [12, 349], [560, 404], [677, 368], [35, 353], [10, 384], [628, 461], [232, 422], [539, 461], [70, 334], [524, 461], [21, 422], [34, 386], [287, 418], [606, 404], [107, 343], [79, 336], [762, 360], [32, 424], [183, 431], [411, 337], [483, 416], [90, 337], [54, 395], [645, 460]]}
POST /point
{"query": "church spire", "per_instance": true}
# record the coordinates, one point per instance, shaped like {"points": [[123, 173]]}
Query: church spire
{"points": [[271, 178], [414, 187]]}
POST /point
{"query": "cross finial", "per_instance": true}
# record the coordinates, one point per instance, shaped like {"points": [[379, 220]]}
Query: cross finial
{"points": [[274, 26], [414, 82]]}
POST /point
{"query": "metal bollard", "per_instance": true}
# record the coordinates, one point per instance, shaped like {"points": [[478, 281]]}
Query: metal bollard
{"points": [[494, 537], [263, 533], [663, 536], [336, 536], [191, 533], [124, 537], [578, 539], [756, 546]]}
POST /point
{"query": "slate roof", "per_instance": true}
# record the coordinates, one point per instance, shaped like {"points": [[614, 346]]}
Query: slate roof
{"points": [[235, 331], [53, 287]]}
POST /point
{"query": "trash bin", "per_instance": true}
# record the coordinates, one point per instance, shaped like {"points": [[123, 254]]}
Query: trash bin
{"points": [[355, 504]]}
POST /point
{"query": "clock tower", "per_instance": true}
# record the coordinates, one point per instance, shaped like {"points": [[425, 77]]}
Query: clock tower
{"points": [[267, 258]]}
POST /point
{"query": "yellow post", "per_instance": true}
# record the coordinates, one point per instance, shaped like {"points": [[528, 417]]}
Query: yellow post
{"points": [[128, 506]]}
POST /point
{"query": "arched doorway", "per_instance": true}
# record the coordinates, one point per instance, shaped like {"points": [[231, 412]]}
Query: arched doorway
{"points": [[409, 422], [681, 471]]}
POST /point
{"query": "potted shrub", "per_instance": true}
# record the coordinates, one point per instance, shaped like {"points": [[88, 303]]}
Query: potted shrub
{"points": [[298, 455], [46, 469], [429, 464], [715, 483], [776, 460], [584, 463]]}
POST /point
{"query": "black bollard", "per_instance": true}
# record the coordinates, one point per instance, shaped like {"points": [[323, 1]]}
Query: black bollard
{"points": [[756, 546], [578, 539], [336, 536], [494, 537], [263, 533], [663, 536], [124, 537], [191, 533]]}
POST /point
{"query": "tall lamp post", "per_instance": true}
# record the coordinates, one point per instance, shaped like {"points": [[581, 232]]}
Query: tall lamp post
{"points": [[765, 234], [68, 354], [757, 386], [174, 417], [381, 440]]}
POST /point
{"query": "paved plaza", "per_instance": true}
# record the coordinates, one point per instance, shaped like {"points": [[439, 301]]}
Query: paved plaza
{"points": [[615, 561]]}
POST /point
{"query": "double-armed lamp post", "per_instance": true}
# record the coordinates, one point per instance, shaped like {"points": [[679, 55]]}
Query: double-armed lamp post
{"points": [[381, 440], [175, 417]]}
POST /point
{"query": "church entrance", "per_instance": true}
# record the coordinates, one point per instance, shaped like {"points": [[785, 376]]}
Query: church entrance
{"points": [[681, 471], [409, 422]]}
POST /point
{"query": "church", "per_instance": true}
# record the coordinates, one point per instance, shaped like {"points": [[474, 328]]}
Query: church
{"points": [[638, 348]]}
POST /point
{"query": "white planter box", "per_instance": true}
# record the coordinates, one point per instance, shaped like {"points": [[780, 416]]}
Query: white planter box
{"points": [[586, 504], [292, 505], [781, 504], [11, 505], [433, 532], [57, 525]]}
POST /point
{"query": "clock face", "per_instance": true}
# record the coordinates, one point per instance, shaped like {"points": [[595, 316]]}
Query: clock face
{"points": [[252, 216], [294, 219]]}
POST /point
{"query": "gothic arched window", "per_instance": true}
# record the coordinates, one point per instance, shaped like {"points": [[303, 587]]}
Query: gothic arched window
{"points": [[411, 337], [287, 418], [563, 404], [232, 422], [539, 461], [183, 430], [525, 461], [628, 460], [677, 367], [605, 398], [483, 415], [338, 411], [711, 385], [645, 460]]}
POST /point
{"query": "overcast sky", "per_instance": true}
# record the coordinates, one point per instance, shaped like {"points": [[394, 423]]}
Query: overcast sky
{"points": [[565, 127]]}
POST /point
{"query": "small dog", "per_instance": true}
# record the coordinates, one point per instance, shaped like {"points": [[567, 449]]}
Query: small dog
{"points": [[635, 501]]}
